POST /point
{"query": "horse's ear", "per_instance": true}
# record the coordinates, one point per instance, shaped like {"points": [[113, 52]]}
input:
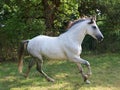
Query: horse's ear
{"points": [[92, 19]]}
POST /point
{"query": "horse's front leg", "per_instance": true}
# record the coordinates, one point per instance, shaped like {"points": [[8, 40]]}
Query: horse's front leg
{"points": [[80, 61], [85, 76]]}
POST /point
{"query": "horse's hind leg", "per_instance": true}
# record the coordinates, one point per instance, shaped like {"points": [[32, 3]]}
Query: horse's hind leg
{"points": [[39, 68], [30, 65]]}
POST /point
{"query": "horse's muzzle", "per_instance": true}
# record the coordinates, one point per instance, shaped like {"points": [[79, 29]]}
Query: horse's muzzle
{"points": [[99, 38]]}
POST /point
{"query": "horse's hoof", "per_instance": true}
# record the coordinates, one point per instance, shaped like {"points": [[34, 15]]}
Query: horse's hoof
{"points": [[87, 82], [51, 80], [85, 77]]}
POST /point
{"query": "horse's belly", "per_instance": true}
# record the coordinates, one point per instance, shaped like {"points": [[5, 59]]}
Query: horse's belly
{"points": [[54, 54]]}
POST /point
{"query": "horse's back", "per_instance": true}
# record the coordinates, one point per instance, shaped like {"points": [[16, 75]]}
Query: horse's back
{"points": [[47, 46]]}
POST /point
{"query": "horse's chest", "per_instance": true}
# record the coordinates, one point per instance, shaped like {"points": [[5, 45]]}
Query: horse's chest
{"points": [[74, 49]]}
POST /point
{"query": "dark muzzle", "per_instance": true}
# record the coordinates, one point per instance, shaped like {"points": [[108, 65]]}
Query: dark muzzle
{"points": [[99, 38]]}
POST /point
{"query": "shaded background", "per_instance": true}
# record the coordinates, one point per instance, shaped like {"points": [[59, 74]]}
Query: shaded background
{"points": [[24, 19]]}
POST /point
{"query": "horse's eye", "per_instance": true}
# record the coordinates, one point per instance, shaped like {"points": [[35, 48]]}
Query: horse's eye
{"points": [[94, 27]]}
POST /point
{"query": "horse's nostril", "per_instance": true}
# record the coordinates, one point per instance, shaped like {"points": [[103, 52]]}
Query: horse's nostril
{"points": [[99, 38]]}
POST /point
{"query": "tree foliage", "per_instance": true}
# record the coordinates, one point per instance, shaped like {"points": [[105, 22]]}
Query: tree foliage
{"points": [[24, 19]]}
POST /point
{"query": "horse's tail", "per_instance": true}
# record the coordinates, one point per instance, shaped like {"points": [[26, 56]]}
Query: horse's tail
{"points": [[23, 46]]}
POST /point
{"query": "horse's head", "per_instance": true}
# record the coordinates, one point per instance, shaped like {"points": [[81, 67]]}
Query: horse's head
{"points": [[93, 30]]}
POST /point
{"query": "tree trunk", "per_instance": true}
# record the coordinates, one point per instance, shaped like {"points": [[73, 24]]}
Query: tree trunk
{"points": [[49, 12]]}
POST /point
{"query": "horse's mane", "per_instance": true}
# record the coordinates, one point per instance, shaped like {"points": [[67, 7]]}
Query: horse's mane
{"points": [[71, 23]]}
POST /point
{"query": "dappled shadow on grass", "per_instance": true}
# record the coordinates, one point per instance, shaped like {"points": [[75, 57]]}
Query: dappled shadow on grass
{"points": [[105, 70], [63, 73], [9, 77]]}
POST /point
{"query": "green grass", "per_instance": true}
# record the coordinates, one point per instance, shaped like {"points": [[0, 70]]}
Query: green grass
{"points": [[105, 68]]}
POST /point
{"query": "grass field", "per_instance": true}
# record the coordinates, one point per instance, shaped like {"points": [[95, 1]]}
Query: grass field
{"points": [[105, 69]]}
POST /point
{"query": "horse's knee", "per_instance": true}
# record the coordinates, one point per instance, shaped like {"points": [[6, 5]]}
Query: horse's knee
{"points": [[38, 68], [87, 63], [89, 68]]}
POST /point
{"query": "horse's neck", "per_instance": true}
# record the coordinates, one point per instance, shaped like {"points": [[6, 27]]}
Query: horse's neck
{"points": [[76, 33]]}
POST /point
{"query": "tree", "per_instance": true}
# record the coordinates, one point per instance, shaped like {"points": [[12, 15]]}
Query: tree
{"points": [[24, 19], [50, 10]]}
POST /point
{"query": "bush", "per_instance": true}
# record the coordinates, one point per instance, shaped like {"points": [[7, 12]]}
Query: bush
{"points": [[14, 31]]}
